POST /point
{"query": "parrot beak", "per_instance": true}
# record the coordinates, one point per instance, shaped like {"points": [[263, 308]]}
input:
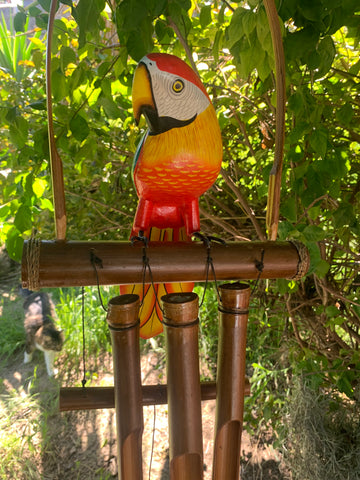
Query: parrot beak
{"points": [[142, 97]]}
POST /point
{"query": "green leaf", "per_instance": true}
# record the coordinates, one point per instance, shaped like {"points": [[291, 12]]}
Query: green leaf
{"points": [[205, 16], [111, 109], [345, 114], [138, 44], [310, 10], [45, 4], [11, 115], [5, 210], [296, 103], [87, 14], [23, 219], [79, 128], [318, 140], [39, 186], [20, 21], [263, 29], [34, 11], [45, 204], [59, 87], [38, 105], [321, 268], [344, 215], [14, 244], [19, 132], [300, 43], [37, 57], [235, 30], [344, 385], [42, 21], [326, 50], [249, 20], [288, 208], [331, 311], [313, 233], [67, 55]]}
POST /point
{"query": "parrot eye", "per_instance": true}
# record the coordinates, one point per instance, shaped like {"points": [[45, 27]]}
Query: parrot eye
{"points": [[178, 86]]}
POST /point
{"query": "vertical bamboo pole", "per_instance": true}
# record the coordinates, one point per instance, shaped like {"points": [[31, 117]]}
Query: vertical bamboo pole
{"points": [[233, 316], [57, 175], [122, 319], [184, 396]]}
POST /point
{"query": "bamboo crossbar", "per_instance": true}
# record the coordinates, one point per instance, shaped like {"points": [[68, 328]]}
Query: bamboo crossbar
{"points": [[68, 264], [89, 398]]}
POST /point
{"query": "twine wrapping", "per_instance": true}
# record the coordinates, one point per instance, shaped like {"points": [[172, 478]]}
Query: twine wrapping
{"points": [[33, 263], [304, 260]]}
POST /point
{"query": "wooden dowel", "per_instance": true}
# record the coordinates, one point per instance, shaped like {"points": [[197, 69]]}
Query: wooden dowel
{"points": [[181, 328], [233, 317], [123, 322], [67, 264], [78, 398]]}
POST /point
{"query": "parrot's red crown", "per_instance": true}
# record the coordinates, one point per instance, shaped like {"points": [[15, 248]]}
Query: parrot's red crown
{"points": [[172, 64]]}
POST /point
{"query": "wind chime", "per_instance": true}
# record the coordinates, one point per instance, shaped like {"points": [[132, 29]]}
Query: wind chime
{"points": [[155, 269]]}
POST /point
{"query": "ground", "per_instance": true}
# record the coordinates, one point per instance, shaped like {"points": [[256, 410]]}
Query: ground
{"points": [[82, 445]]}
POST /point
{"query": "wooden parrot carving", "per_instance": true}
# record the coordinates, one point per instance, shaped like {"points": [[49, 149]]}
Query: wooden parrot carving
{"points": [[178, 159]]}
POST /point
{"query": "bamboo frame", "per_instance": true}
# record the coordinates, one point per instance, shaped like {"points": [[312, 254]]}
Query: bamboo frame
{"points": [[79, 398], [66, 264]]}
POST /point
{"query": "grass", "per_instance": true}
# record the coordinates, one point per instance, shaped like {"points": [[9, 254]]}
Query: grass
{"points": [[323, 435], [69, 308], [29, 407], [12, 337], [20, 435]]}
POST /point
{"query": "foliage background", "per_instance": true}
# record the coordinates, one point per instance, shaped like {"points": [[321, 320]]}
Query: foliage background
{"points": [[309, 327]]}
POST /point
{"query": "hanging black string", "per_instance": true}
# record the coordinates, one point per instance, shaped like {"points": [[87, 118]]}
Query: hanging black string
{"points": [[210, 264], [83, 382], [259, 264], [146, 266], [97, 262]]}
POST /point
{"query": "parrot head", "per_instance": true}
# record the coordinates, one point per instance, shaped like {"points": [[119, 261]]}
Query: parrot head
{"points": [[167, 92]]}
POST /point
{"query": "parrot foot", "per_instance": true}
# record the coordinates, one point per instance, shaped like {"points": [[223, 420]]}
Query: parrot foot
{"points": [[140, 238], [207, 239]]}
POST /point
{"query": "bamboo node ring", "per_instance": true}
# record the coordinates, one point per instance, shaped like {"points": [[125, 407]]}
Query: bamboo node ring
{"points": [[168, 323]]}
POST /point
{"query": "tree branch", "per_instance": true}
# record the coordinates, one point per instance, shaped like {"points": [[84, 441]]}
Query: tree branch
{"points": [[244, 205]]}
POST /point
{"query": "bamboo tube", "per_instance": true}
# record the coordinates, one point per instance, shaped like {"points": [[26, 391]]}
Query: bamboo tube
{"points": [[66, 264], [79, 398], [184, 397], [233, 316], [122, 319]]}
